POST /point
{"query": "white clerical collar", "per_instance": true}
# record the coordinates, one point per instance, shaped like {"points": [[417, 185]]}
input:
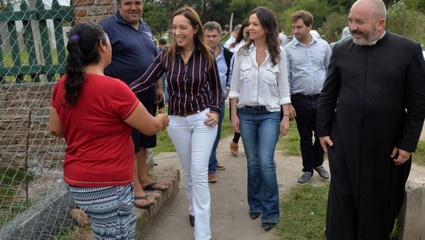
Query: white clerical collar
{"points": [[374, 42]]}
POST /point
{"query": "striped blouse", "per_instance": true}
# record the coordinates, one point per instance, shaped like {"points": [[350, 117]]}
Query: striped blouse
{"points": [[191, 86]]}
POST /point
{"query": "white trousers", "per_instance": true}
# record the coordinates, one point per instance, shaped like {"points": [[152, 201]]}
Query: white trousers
{"points": [[193, 141]]}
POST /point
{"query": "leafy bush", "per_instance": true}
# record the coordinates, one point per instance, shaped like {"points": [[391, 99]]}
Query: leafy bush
{"points": [[406, 22]]}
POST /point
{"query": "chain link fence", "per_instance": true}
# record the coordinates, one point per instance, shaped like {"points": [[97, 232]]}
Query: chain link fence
{"points": [[34, 203]]}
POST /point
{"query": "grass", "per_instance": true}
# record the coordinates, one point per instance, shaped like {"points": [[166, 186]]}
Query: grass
{"points": [[303, 213], [419, 156], [9, 179]]}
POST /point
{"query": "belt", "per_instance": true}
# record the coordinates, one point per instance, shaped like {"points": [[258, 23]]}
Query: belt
{"points": [[190, 113], [310, 97], [256, 107]]}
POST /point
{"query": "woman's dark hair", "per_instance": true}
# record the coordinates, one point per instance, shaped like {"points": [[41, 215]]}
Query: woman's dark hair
{"points": [[83, 41], [268, 22], [241, 33]]}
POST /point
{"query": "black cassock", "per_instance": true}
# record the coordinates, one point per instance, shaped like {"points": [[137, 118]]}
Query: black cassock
{"points": [[373, 100]]}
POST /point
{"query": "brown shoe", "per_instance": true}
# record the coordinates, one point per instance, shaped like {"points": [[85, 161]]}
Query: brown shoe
{"points": [[212, 178], [220, 166], [234, 148]]}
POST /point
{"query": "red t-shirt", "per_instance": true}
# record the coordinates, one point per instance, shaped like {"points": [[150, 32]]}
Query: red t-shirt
{"points": [[99, 150]]}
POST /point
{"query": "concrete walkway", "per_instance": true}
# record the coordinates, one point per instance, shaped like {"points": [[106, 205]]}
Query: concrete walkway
{"points": [[229, 209]]}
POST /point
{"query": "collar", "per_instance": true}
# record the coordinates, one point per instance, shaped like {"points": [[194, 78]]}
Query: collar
{"points": [[221, 51], [253, 48], [374, 42], [121, 20], [313, 40]]}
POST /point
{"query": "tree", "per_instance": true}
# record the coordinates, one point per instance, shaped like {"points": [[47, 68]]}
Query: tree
{"points": [[319, 9], [216, 10], [415, 4], [340, 6], [405, 22], [242, 8], [157, 17], [158, 13], [333, 26]]}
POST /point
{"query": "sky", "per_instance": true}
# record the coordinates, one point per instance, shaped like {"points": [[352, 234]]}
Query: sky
{"points": [[61, 2]]}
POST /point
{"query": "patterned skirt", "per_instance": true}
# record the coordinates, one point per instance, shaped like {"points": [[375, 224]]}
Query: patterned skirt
{"points": [[110, 210]]}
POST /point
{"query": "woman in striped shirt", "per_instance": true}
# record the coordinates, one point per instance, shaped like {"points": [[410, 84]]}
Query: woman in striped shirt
{"points": [[194, 97]]}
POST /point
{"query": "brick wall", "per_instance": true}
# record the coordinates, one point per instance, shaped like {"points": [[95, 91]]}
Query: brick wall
{"points": [[92, 10], [24, 122]]}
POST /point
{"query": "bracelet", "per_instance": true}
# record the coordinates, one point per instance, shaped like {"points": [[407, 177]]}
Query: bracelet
{"points": [[287, 115]]}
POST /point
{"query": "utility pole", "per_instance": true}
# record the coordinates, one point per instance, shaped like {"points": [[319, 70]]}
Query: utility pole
{"points": [[231, 24]]}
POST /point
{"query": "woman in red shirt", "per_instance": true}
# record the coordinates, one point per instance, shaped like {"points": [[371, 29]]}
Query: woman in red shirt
{"points": [[95, 113]]}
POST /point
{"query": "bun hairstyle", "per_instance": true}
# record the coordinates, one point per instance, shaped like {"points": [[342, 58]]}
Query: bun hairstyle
{"points": [[83, 41]]}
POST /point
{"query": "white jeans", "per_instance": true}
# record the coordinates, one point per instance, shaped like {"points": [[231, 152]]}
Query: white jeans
{"points": [[193, 141]]}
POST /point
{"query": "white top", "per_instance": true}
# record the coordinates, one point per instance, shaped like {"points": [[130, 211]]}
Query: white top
{"points": [[237, 46], [229, 41], [264, 85], [283, 39]]}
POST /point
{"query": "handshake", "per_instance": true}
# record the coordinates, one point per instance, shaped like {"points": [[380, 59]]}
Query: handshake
{"points": [[164, 119]]}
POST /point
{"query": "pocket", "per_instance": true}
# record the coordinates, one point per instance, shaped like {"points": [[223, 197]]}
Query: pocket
{"points": [[245, 72], [270, 74]]}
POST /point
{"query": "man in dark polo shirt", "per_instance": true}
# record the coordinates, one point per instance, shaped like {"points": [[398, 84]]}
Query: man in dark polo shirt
{"points": [[133, 50]]}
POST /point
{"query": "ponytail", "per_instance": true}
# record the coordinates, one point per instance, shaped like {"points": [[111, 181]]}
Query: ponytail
{"points": [[82, 51]]}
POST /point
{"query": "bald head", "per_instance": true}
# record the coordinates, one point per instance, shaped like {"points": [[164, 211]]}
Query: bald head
{"points": [[375, 7], [366, 21]]}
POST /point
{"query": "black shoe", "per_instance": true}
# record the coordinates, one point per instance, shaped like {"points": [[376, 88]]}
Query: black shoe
{"points": [[254, 215], [192, 220], [305, 178], [322, 172], [268, 225]]}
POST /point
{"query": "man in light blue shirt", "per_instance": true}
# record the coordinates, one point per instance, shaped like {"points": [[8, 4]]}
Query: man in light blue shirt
{"points": [[212, 31], [307, 58]]}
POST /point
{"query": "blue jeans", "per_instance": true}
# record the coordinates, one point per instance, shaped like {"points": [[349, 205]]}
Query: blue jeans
{"points": [[212, 166], [260, 133]]}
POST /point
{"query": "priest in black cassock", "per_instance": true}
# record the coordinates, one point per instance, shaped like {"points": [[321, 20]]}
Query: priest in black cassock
{"points": [[370, 116]]}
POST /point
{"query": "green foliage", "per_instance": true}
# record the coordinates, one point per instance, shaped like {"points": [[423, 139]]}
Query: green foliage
{"points": [[157, 17], [416, 4], [419, 155], [405, 22], [241, 10], [216, 10], [340, 6], [9, 178], [319, 9], [404, 17], [332, 28]]}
